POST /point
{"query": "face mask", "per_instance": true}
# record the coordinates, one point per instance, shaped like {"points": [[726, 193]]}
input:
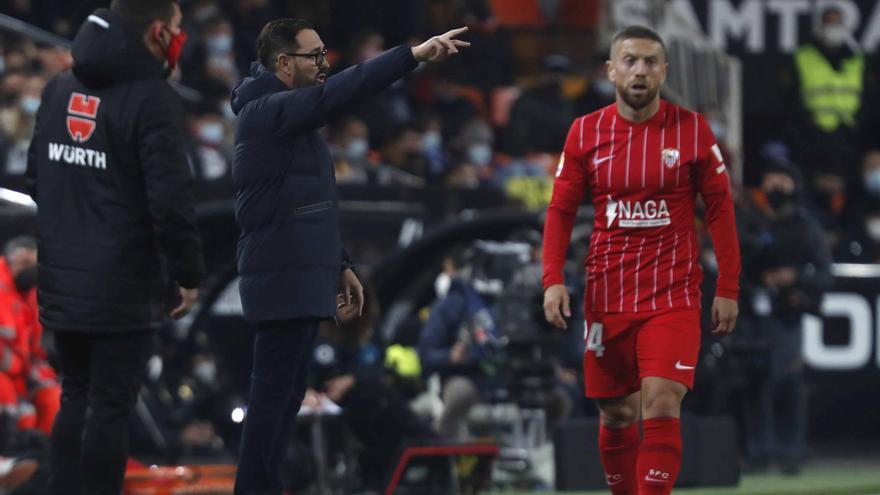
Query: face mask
{"points": [[357, 149], [26, 279], [873, 229], [432, 141], [834, 36], [479, 154], [872, 182], [604, 87], [211, 133], [30, 104], [205, 372], [779, 199], [219, 44], [172, 52], [442, 284]]}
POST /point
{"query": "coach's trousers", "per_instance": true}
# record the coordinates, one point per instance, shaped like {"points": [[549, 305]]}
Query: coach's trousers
{"points": [[282, 352]]}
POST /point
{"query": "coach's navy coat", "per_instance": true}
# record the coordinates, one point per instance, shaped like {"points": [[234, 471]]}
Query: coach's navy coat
{"points": [[290, 253]]}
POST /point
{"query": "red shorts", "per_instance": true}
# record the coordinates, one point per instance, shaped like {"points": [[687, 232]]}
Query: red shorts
{"points": [[623, 348]]}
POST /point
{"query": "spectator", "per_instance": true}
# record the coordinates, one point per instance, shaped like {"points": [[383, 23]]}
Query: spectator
{"points": [[18, 126], [401, 159], [210, 157], [600, 92], [348, 368], [349, 142], [390, 108], [791, 276], [828, 83], [453, 342], [540, 118], [218, 38], [473, 149]]}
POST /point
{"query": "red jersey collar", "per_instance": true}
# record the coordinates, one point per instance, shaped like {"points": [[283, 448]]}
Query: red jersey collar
{"points": [[655, 119]]}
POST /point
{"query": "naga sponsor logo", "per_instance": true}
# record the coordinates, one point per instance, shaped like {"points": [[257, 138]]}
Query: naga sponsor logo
{"points": [[637, 214], [74, 155]]}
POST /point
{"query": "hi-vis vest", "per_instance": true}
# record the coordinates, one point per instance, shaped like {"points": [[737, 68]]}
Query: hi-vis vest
{"points": [[832, 97]]}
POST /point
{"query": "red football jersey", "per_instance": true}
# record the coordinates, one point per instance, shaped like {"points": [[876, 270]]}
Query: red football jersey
{"points": [[644, 178]]}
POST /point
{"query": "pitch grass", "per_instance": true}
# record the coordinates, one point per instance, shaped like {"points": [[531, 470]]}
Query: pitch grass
{"points": [[860, 477]]}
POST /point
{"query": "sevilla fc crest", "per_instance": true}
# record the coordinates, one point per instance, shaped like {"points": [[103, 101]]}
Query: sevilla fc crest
{"points": [[81, 113], [670, 157]]}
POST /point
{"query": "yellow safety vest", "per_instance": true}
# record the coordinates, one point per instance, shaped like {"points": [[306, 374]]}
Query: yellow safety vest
{"points": [[832, 97]]}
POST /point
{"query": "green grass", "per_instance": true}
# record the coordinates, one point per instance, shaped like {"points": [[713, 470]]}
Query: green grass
{"points": [[839, 478]]}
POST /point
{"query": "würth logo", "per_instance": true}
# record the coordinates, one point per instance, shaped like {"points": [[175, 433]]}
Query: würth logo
{"points": [[82, 110]]}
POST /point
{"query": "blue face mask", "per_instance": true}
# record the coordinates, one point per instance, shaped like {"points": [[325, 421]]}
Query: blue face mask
{"points": [[30, 104], [218, 44], [432, 141], [357, 149], [479, 154], [872, 182], [211, 133]]}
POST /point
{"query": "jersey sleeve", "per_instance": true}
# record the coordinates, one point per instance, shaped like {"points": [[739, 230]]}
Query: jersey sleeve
{"points": [[713, 184], [568, 192]]}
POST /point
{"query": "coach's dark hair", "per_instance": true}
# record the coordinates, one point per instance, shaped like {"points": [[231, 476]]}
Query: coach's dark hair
{"points": [[638, 32], [140, 13], [277, 37]]}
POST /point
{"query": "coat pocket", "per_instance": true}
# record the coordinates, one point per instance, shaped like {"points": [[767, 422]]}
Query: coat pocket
{"points": [[313, 208]]}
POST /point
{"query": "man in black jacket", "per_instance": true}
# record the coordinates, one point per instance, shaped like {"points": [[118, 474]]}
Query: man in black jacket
{"points": [[117, 235], [788, 268], [290, 255]]}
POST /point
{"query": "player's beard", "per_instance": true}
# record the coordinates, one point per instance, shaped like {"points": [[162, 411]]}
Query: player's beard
{"points": [[638, 102]]}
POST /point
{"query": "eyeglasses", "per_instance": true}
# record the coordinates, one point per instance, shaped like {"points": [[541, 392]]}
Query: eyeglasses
{"points": [[319, 56]]}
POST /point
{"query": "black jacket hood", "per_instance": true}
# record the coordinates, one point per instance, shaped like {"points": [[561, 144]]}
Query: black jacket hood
{"points": [[262, 81], [108, 51]]}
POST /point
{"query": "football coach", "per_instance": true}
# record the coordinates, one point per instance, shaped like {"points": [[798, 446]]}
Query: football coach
{"points": [[294, 270]]}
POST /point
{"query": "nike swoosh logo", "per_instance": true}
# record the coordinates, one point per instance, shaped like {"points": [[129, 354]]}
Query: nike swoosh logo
{"points": [[656, 480], [608, 478], [597, 160], [680, 366]]}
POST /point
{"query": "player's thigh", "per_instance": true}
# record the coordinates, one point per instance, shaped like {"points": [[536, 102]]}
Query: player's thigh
{"points": [[610, 367], [668, 346]]}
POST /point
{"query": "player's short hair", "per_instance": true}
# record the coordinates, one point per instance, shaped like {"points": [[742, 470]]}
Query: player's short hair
{"points": [[140, 13], [20, 242], [279, 36], [638, 32]]}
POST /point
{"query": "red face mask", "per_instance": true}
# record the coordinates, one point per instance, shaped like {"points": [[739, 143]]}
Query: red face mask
{"points": [[172, 52]]}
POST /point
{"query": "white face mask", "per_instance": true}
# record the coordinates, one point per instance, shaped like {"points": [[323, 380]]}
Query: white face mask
{"points": [[357, 149], [479, 154], [835, 35], [442, 284], [211, 133], [30, 104]]}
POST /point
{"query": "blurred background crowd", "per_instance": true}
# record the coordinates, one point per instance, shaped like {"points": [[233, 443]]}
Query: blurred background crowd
{"points": [[483, 133]]}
